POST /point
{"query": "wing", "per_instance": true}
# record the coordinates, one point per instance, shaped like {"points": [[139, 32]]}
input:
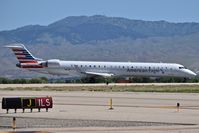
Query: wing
{"points": [[95, 73], [99, 74]]}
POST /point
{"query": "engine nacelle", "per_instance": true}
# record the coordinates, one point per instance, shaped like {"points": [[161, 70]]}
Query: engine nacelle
{"points": [[51, 63]]}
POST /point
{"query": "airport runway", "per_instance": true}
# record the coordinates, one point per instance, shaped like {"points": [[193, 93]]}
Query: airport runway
{"points": [[96, 84], [89, 112]]}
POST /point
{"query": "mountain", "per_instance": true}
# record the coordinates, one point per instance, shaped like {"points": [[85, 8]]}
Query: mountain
{"points": [[104, 38], [77, 30]]}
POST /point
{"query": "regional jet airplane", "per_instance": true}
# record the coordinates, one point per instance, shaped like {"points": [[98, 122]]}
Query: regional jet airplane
{"points": [[92, 69]]}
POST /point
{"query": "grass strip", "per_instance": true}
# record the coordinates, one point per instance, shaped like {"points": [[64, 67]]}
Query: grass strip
{"points": [[150, 88]]}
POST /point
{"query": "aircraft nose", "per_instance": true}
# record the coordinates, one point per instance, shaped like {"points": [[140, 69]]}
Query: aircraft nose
{"points": [[190, 73]]}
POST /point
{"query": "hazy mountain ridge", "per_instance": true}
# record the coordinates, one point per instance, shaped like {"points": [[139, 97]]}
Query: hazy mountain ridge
{"points": [[83, 29], [100, 38]]}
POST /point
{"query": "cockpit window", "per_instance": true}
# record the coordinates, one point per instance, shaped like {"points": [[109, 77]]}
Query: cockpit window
{"points": [[181, 67]]}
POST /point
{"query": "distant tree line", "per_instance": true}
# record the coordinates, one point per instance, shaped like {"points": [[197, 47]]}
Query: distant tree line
{"points": [[141, 80], [131, 80], [99, 80], [23, 81]]}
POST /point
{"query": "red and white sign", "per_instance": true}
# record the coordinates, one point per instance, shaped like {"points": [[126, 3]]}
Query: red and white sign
{"points": [[44, 102]]}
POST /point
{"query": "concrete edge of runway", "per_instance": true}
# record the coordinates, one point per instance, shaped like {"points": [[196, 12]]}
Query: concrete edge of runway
{"points": [[100, 84]]}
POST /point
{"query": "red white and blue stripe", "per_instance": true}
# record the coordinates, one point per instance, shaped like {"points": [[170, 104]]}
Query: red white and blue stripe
{"points": [[23, 55], [25, 58]]}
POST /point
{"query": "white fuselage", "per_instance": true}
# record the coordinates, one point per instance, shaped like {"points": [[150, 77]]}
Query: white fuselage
{"points": [[88, 68], [118, 69]]}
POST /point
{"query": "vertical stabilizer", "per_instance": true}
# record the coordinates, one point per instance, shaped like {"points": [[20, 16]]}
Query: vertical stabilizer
{"points": [[22, 54]]}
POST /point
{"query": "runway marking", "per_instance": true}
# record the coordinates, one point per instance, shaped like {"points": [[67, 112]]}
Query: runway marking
{"points": [[139, 98], [128, 129], [135, 106], [54, 123], [115, 97]]}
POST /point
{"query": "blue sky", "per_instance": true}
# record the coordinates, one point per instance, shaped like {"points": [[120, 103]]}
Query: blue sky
{"points": [[17, 13]]}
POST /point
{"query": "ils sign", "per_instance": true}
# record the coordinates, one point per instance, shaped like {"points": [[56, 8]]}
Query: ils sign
{"points": [[42, 102]]}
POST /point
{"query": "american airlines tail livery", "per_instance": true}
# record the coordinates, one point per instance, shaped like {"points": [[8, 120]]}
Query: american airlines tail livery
{"points": [[91, 68]]}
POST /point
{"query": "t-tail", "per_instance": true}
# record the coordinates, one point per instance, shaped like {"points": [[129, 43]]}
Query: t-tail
{"points": [[25, 58]]}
